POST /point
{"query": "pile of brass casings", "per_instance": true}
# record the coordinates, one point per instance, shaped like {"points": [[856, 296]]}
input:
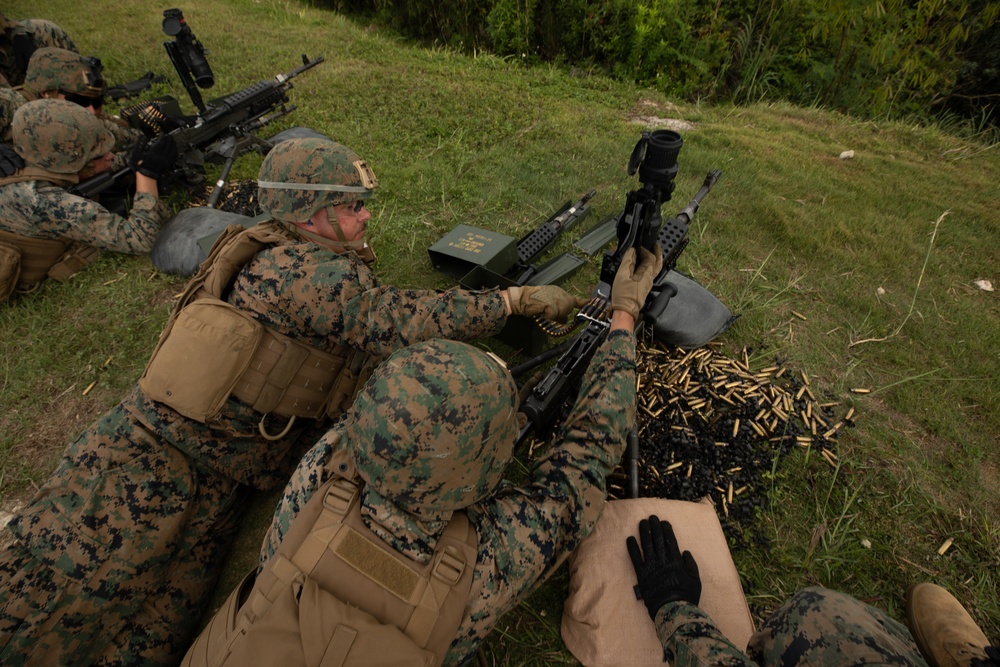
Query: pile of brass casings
{"points": [[712, 426], [237, 197]]}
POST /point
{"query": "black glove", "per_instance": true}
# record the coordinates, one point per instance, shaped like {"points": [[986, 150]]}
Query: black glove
{"points": [[992, 658], [665, 575], [10, 161], [158, 158]]}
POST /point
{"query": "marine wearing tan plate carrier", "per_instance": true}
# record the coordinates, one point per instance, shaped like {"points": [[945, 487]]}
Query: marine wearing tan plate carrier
{"points": [[211, 350], [25, 261]]}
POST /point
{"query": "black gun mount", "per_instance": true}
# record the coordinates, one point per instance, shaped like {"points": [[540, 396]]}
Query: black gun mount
{"points": [[188, 56], [655, 158], [639, 225]]}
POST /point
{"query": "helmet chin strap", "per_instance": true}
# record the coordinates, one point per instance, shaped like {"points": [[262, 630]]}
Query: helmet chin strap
{"points": [[341, 245]]}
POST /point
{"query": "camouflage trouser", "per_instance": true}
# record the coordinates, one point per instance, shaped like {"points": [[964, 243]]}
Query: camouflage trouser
{"points": [[117, 553], [822, 627]]}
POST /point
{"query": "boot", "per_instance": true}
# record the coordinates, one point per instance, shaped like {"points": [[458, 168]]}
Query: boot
{"points": [[944, 632]]}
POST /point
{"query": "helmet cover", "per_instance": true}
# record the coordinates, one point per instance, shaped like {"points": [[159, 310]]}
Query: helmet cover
{"points": [[68, 72], [301, 176], [59, 136], [433, 429]]}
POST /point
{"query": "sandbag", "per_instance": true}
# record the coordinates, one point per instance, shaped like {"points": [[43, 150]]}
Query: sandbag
{"points": [[603, 624], [176, 249], [693, 317]]}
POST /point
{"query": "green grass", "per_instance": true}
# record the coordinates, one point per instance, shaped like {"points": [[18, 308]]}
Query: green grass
{"points": [[790, 228]]}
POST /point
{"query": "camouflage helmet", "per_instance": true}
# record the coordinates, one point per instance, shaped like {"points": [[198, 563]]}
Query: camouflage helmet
{"points": [[59, 136], [10, 100], [433, 429], [68, 72], [301, 176]]}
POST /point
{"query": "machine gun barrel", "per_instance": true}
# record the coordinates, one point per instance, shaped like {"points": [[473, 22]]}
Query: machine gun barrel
{"points": [[533, 244], [672, 239]]}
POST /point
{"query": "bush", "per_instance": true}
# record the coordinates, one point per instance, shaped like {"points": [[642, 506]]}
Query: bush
{"points": [[871, 58]]}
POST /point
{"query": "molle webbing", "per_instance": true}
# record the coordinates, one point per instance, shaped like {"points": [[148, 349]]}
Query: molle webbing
{"points": [[29, 173], [329, 543], [290, 379], [41, 258]]}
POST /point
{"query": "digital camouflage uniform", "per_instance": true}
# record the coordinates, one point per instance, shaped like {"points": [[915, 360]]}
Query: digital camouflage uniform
{"points": [[145, 501], [62, 137], [42, 33], [816, 627], [525, 532]]}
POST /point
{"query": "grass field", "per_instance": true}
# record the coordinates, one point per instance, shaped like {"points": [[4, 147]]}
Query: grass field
{"points": [[863, 272]]}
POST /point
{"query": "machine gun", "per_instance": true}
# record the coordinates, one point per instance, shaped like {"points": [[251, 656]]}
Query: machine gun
{"points": [[225, 129], [640, 225], [222, 130]]}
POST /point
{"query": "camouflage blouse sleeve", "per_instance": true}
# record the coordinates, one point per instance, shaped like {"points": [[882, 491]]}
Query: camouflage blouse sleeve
{"points": [[62, 215], [690, 638], [526, 532], [342, 300]]}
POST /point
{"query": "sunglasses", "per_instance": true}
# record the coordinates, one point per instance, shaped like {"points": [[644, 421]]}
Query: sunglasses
{"points": [[84, 100], [356, 206]]}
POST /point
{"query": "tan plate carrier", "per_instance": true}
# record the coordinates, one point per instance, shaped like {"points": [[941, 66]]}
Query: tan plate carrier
{"points": [[26, 261], [211, 350], [336, 595]]}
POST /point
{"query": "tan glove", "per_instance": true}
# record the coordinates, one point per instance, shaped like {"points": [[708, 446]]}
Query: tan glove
{"points": [[634, 280], [549, 301]]}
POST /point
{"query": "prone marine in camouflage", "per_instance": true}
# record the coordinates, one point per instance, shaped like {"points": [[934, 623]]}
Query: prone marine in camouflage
{"points": [[816, 626], [57, 140], [61, 73], [427, 442], [116, 557], [19, 39]]}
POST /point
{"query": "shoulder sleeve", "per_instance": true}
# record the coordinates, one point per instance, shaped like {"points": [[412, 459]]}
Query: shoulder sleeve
{"points": [[95, 225], [86, 221], [341, 299], [690, 637], [527, 532]]}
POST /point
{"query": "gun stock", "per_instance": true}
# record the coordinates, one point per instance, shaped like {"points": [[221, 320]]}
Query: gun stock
{"points": [[95, 185]]}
